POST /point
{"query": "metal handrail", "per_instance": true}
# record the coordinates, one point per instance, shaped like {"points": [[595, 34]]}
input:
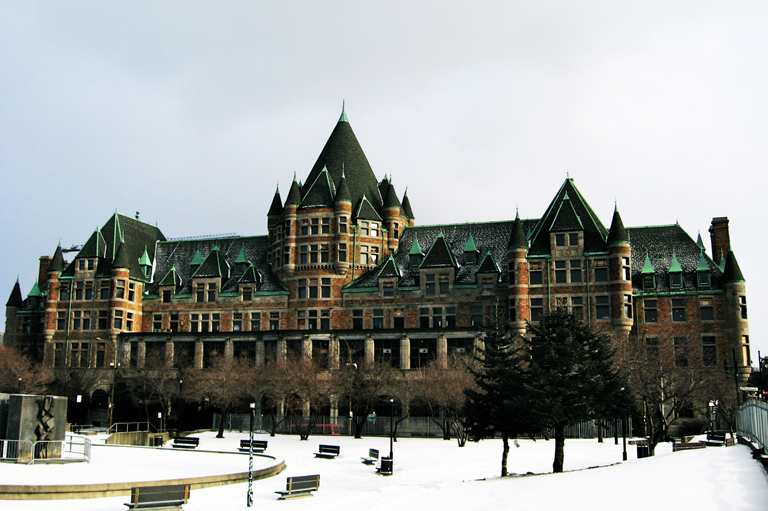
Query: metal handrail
{"points": [[116, 427]]}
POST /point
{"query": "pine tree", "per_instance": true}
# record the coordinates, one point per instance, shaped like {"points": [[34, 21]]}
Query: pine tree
{"points": [[498, 405], [573, 376]]}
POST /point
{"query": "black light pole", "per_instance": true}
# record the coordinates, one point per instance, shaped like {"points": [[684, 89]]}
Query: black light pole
{"points": [[19, 385], [391, 426], [624, 434], [250, 458]]}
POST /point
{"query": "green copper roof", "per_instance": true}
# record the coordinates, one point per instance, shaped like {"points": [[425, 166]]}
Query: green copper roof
{"points": [[647, 266], [416, 248], [241, 259], [674, 266], [722, 261], [197, 260], [700, 243], [470, 246], [343, 117], [144, 261], [703, 265], [35, 292]]}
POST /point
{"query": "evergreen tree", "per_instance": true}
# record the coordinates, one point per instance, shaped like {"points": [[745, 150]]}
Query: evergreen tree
{"points": [[572, 376], [499, 403]]}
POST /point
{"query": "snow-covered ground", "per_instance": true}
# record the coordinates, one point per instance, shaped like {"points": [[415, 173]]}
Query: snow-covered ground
{"points": [[429, 473]]}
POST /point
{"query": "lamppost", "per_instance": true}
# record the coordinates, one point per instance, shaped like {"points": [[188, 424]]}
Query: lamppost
{"points": [[250, 458], [113, 366], [391, 426], [19, 385]]}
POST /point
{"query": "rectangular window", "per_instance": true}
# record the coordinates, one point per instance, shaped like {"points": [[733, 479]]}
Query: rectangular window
{"points": [[575, 271], [120, 290], [676, 279], [602, 307], [101, 349], [195, 323], [651, 311], [537, 308], [302, 289], [342, 252], [103, 320], [255, 321], [247, 294], [286, 255], [200, 293], [167, 295], [215, 322], [601, 270], [63, 293], [312, 320], [678, 309], [342, 224], [157, 323], [388, 290], [652, 348], [443, 283], [118, 320], [625, 268], [561, 274], [476, 315], [274, 321], [703, 279], [743, 306], [237, 321], [628, 306], [560, 240], [79, 289], [649, 281], [132, 291], [76, 320], [315, 227], [577, 306], [357, 319], [58, 355], [129, 321], [512, 312], [326, 226], [706, 309], [573, 239], [325, 319], [212, 292], [430, 285], [174, 322], [89, 290], [325, 287], [535, 273], [61, 320], [709, 351], [378, 319]]}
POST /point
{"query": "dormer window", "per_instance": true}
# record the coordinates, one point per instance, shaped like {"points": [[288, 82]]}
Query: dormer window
{"points": [[567, 239], [703, 279], [414, 260], [676, 279], [649, 281], [470, 257]]}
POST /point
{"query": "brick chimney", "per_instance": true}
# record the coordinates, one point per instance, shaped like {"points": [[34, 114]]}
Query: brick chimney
{"points": [[721, 239], [42, 276]]}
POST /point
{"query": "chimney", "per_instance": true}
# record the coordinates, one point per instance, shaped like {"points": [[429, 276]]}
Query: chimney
{"points": [[42, 276], [721, 239]]}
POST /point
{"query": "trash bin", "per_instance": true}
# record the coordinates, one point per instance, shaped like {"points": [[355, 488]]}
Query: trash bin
{"points": [[643, 451], [386, 466], [157, 441]]}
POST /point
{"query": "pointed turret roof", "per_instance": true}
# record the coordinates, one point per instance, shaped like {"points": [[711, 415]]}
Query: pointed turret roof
{"points": [[518, 238], [470, 246], [391, 200], [241, 258], [276, 208], [35, 292], [294, 194], [96, 246], [703, 264], [439, 254], [57, 261], [647, 266], [15, 300], [406, 208], [342, 192], [145, 260], [732, 272], [342, 154], [674, 266], [416, 248], [569, 211], [121, 258], [617, 233], [700, 242], [488, 265], [197, 259]]}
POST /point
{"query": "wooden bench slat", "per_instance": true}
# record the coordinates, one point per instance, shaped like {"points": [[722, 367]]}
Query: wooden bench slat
{"points": [[328, 451], [300, 486], [160, 495]]}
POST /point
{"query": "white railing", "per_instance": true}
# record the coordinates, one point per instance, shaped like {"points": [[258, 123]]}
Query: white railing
{"points": [[752, 422], [73, 448]]}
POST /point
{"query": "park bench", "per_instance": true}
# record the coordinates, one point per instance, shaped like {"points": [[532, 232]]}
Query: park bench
{"points": [[328, 451], [258, 445], [299, 486], [171, 495], [715, 438], [685, 446], [373, 457], [186, 442]]}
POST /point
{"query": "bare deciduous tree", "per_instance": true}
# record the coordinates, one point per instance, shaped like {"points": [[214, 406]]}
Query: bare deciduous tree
{"points": [[363, 387], [18, 373]]}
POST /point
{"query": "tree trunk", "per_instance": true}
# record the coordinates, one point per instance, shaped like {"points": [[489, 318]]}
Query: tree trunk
{"points": [[505, 453], [599, 432], [221, 424], [557, 466]]}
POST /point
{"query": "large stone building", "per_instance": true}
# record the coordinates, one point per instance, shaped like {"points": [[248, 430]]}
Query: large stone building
{"points": [[345, 276]]}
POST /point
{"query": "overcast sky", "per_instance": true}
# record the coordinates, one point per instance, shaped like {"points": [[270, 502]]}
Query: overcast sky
{"points": [[193, 112]]}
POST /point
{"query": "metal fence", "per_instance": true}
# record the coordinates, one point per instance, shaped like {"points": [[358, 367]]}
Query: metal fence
{"points": [[72, 448], [127, 427], [752, 422], [409, 427]]}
